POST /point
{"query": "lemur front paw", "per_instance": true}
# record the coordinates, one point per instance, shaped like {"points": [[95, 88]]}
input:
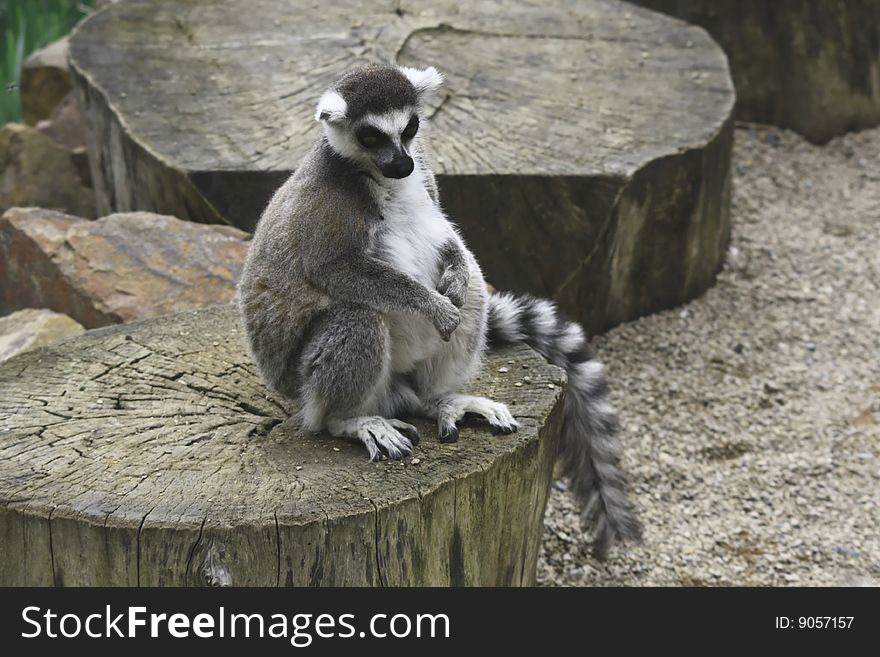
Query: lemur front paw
{"points": [[446, 316], [454, 286]]}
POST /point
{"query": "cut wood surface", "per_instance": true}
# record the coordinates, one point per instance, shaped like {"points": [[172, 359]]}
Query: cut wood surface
{"points": [[583, 147], [812, 66], [151, 454]]}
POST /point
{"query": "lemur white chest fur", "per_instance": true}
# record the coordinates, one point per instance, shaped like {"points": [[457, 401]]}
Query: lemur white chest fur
{"points": [[413, 229], [410, 237]]}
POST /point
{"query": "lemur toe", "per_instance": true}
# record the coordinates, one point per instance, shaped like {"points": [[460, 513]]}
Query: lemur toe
{"points": [[385, 440], [503, 429], [410, 432], [373, 448], [448, 434], [396, 445]]}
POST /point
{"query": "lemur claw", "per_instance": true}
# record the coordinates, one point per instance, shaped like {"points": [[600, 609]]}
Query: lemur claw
{"points": [[410, 432], [448, 434]]}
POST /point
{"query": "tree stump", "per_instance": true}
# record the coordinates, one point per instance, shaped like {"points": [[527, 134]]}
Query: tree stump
{"points": [[152, 454], [812, 66], [583, 147]]}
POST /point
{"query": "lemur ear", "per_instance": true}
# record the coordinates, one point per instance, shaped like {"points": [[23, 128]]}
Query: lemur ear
{"points": [[332, 108], [425, 81]]}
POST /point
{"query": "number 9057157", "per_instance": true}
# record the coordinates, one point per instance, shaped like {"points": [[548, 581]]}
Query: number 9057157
{"points": [[814, 622]]}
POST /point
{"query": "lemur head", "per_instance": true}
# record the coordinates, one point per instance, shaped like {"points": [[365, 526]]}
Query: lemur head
{"points": [[371, 115]]}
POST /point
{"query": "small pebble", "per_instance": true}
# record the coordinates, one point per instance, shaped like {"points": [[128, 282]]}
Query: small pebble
{"points": [[503, 370]]}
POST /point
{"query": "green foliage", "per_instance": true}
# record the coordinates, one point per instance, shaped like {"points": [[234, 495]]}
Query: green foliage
{"points": [[25, 26]]}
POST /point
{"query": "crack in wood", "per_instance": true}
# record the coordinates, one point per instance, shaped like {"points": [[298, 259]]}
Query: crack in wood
{"points": [[148, 482]]}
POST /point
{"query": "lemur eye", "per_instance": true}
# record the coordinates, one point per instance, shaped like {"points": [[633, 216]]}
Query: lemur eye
{"points": [[371, 137], [411, 128]]}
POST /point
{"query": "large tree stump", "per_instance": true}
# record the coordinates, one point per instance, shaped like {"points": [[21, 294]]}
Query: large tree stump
{"points": [[812, 66], [151, 454], [583, 147]]}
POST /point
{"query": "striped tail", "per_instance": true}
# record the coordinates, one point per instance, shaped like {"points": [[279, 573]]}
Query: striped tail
{"points": [[589, 450]]}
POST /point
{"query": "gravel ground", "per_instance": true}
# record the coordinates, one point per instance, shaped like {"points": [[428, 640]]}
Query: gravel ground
{"points": [[751, 416]]}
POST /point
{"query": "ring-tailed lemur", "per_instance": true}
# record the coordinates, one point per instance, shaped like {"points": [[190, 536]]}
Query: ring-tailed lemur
{"points": [[360, 299]]}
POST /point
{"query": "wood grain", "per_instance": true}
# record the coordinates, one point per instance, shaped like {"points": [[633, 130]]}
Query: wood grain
{"points": [[582, 146], [151, 454]]}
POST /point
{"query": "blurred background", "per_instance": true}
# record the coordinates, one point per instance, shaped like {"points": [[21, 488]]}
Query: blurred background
{"points": [[25, 26]]}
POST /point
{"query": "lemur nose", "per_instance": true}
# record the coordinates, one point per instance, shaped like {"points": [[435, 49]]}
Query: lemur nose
{"points": [[400, 167]]}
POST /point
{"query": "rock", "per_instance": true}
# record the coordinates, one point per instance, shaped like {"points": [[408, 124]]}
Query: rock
{"points": [[116, 269], [65, 126], [45, 81], [812, 66], [35, 171], [577, 169], [31, 328]]}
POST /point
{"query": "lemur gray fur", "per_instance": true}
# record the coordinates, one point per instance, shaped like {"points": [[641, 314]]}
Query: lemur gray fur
{"points": [[360, 300]]}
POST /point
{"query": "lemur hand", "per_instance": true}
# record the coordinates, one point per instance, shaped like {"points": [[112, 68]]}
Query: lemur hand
{"points": [[454, 285], [445, 316]]}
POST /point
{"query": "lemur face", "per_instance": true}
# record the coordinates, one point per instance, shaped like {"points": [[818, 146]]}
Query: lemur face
{"points": [[386, 140], [372, 115]]}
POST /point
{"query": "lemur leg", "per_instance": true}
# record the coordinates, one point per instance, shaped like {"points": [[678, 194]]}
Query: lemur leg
{"points": [[346, 379], [451, 409], [399, 399]]}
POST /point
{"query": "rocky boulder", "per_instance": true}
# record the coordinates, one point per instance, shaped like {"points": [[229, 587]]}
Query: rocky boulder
{"points": [[45, 81], [31, 328], [37, 171], [65, 126], [119, 268]]}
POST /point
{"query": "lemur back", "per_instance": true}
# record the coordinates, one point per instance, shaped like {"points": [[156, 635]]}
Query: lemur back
{"points": [[361, 302]]}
